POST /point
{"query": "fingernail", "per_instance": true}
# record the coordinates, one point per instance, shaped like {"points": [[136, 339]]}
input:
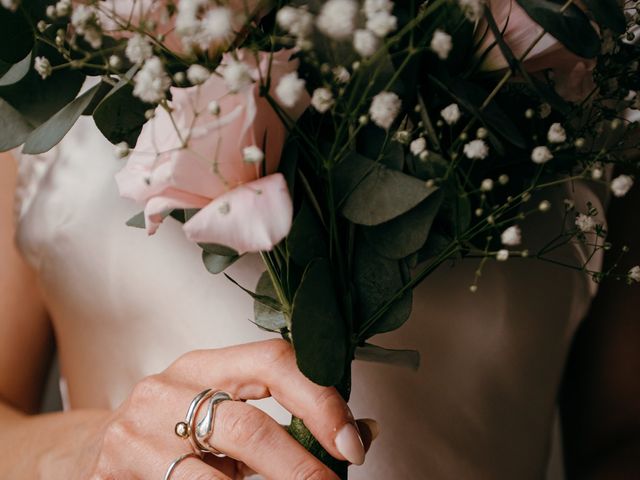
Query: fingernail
{"points": [[349, 444], [374, 427]]}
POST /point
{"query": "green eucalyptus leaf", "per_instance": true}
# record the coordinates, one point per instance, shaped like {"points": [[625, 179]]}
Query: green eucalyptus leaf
{"points": [[571, 27], [406, 234], [608, 14], [266, 300], [14, 129], [216, 264], [137, 221], [387, 356], [120, 115], [266, 317], [306, 240], [377, 280], [218, 249], [16, 35], [16, 72], [382, 195], [318, 330], [47, 135]]}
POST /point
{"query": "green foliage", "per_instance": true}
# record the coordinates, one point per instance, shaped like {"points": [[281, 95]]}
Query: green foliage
{"points": [[375, 194], [608, 14], [16, 35], [306, 240], [267, 316], [406, 234], [318, 330], [137, 221], [571, 27], [402, 358], [47, 135], [14, 129], [218, 258], [376, 280], [16, 72], [120, 115]]}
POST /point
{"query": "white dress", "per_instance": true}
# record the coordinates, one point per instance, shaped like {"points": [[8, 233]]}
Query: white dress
{"points": [[125, 306]]}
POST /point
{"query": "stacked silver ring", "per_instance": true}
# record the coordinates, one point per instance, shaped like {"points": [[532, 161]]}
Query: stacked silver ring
{"points": [[199, 432]]}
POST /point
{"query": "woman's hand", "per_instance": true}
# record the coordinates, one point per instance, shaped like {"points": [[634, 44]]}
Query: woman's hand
{"points": [[138, 441]]}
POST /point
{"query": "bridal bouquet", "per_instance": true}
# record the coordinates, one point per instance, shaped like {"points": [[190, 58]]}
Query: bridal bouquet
{"points": [[357, 145]]}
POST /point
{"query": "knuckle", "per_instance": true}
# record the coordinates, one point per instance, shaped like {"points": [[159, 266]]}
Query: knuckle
{"points": [[309, 470], [185, 360], [244, 426], [326, 399], [148, 389], [117, 434], [277, 352]]}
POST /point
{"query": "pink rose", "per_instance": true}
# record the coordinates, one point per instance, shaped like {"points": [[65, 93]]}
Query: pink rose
{"points": [[573, 75], [204, 167]]}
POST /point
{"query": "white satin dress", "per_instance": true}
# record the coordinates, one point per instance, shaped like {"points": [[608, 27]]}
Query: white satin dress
{"points": [[125, 306]]}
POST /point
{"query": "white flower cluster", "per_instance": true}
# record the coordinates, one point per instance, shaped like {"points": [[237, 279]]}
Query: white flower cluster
{"points": [[42, 66], [11, 5], [557, 134], [237, 76], [290, 89], [512, 236], [441, 44], [151, 82], [476, 150], [473, 9], [322, 99], [337, 18], [138, 49], [541, 155], [621, 185], [585, 223], [201, 26], [384, 109], [86, 23], [451, 114]]}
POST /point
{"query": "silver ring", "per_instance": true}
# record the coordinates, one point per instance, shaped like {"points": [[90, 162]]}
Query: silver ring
{"points": [[175, 463], [204, 429], [199, 432]]}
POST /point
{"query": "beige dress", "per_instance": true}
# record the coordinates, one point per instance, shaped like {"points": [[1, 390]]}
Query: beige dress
{"points": [[125, 306]]}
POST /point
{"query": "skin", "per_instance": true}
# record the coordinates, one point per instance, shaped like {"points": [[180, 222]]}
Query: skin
{"points": [[133, 442]]}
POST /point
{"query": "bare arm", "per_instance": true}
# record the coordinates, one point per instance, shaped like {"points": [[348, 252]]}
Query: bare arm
{"points": [[601, 395]]}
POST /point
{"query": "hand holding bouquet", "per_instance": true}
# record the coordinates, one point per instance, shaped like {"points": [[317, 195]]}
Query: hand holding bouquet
{"points": [[356, 145]]}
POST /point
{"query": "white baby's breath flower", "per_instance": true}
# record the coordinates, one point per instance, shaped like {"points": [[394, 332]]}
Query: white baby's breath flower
{"points": [[634, 274], [486, 185], [290, 89], [237, 76], [63, 8], [473, 9], [337, 18], [213, 107], [138, 49], [585, 223], [418, 146], [296, 21], [322, 99], [544, 206], [86, 23], [597, 172], [476, 150], [252, 154], [122, 150], [541, 155], [197, 74], [451, 114], [621, 185], [42, 66], [512, 236], [216, 25], [402, 136], [557, 134], [287, 17], [152, 81], [384, 109], [365, 43], [115, 62], [341, 74], [11, 5], [371, 7], [382, 24], [441, 44], [502, 255]]}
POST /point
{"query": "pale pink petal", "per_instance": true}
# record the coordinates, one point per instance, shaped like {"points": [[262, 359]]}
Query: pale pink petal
{"points": [[253, 217], [160, 206]]}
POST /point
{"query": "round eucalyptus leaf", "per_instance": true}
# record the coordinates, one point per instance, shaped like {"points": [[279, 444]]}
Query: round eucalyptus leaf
{"points": [[215, 263], [306, 240], [571, 27], [318, 332], [16, 72], [265, 316], [47, 135], [16, 35], [14, 129]]}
